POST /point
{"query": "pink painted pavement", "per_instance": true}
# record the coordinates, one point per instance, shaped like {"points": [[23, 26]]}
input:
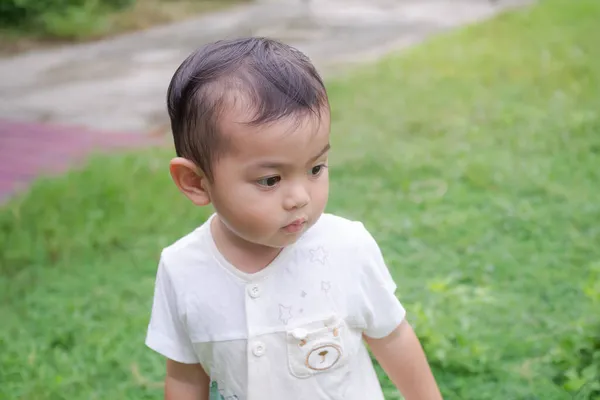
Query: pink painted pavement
{"points": [[31, 150]]}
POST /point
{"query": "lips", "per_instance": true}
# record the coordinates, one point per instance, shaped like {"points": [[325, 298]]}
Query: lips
{"points": [[295, 226]]}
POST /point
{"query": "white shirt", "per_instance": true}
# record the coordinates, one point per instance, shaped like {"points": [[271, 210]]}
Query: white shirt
{"points": [[291, 331]]}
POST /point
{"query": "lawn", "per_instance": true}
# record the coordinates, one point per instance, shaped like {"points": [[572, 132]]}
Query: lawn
{"points": [[475, 161]]}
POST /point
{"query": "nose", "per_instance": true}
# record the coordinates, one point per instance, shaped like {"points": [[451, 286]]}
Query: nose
{"points": [[297, 197]]}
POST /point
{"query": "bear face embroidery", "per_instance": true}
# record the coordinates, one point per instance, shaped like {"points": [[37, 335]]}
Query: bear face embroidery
{"points": [[324, 357]]}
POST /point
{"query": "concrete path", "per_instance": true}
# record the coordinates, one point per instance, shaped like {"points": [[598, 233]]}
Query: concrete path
{"points": [[119, 84], [57, 99]]}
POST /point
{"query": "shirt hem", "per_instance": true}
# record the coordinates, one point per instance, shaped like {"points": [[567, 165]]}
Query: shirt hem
{"points": [[166, 348]]}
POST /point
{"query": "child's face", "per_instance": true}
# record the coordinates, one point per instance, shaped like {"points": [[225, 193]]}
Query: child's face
{"points": [[273, 183]]}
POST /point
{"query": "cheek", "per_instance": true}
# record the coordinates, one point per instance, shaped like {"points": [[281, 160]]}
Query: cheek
{"points": [[320, 195], [251, 203], [321, 191]]}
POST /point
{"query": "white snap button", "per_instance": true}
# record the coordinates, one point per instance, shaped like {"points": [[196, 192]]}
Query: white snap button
{"points": [[254, 291], [299, 334], [259, 349]]}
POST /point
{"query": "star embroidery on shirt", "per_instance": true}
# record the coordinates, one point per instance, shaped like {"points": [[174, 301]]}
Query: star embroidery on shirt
{"points": [[290, 268], [285, 314], [325, 286], [303, 294], [319, 255]]}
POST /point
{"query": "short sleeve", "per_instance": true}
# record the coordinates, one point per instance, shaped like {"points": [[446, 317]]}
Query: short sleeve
{"points": [[382, 310], [166, 332]]}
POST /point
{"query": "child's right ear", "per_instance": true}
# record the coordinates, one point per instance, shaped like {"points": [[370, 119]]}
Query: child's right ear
{"points": [[190, 180]]}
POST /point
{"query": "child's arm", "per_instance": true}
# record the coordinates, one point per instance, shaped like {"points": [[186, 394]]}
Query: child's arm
{"points": [[186, 382], [402, 357]]}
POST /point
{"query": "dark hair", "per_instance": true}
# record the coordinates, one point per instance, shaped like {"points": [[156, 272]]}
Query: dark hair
{"points": [[275, 80]]}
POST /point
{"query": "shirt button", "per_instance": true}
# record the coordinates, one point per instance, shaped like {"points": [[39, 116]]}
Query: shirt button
{"points": [[299, 334], [259, 349], [254, 291]]}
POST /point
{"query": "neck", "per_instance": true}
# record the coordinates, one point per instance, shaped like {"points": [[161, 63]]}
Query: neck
{"points": [[244, 255]]}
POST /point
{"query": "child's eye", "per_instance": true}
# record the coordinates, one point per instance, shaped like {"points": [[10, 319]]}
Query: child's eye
{"points": [[269, 181], [317, 169]]}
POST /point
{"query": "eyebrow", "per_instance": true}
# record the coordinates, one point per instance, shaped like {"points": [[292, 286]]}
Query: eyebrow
{"points": [[323, 151], [276, 165]]}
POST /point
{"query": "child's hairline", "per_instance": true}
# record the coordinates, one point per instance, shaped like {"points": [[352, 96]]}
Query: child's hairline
{"points": [[227, 138]]}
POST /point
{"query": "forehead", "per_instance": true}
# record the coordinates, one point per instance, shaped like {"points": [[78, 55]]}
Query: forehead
{"points": [[292, 139]]}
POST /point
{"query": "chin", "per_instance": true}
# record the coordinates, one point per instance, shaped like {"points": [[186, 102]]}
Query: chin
{"points": [[279, 241], [291, 239]]}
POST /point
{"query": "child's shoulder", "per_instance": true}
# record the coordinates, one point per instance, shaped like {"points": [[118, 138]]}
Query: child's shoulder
{"points": [[335, 229], [191, 249], [185, 243], [334, 222]]}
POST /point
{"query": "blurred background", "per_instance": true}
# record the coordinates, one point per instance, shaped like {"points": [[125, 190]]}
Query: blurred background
{"points": [[466, 136]]}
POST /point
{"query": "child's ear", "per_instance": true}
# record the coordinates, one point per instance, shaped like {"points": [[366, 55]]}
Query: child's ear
{"points": [[190, 180]]}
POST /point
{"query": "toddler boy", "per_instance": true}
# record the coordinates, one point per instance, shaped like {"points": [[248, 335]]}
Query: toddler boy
{"points": [[271, 298]]}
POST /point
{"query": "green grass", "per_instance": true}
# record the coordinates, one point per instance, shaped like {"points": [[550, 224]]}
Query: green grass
{"points": [[474, 160]]}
